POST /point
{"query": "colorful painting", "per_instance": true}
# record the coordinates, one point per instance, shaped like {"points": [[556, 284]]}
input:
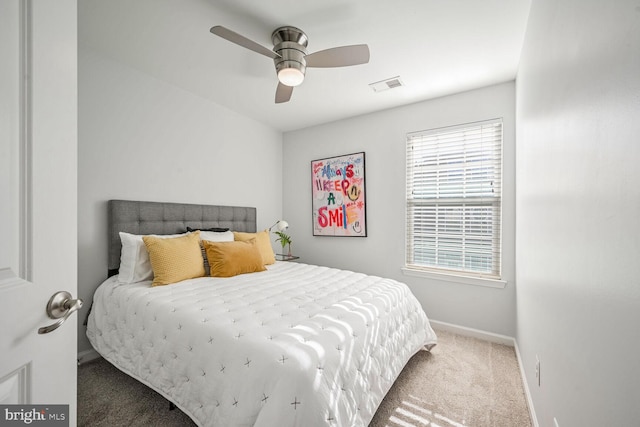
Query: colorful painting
{"points": [[338, 191]]}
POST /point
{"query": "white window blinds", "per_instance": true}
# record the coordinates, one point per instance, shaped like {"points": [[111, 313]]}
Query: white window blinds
{"points": [[454, 186]]}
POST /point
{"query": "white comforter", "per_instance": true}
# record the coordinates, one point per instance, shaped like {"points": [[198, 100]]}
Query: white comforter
{"points": [[297, 345]]}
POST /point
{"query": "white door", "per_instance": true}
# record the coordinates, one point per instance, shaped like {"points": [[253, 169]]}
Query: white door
{"points": [[38, 200]]}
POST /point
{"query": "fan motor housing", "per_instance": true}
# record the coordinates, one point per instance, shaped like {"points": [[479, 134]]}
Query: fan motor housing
{"points": [[289, 34], [290, 43]]}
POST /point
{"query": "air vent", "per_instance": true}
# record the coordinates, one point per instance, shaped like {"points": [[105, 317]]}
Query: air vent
{"points": [[387, 84]]}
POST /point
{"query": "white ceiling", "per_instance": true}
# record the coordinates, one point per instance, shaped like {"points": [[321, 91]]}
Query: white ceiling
{"points": [[437, 47]]}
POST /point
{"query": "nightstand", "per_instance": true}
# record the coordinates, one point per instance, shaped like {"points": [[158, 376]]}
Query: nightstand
{"points": [[284, 257]]}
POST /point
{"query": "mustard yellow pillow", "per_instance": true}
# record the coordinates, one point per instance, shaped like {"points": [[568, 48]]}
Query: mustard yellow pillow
{"points": [[262, 241], [227, 259], [174, 260]]}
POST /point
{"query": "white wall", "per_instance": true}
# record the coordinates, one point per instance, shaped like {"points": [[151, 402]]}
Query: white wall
{"points": [[578, 211], [143, 139], [382, 136]]}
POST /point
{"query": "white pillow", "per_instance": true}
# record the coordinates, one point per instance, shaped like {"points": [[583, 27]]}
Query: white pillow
{"points": [[217, 236], [135, 265]]}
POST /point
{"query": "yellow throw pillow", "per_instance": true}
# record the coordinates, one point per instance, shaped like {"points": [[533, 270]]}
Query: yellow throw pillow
{"points": [[262, 241], [174, 260], [227, 259]]}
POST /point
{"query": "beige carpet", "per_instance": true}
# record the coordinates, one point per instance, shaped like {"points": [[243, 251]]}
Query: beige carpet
{"points": [[462, 382]]}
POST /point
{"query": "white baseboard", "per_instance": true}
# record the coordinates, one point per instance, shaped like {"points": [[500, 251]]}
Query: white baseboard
{"points": [[87, 356], [527, 394], [498, 339], [474, 333]]}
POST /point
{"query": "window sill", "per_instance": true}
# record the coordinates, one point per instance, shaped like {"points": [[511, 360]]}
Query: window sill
{"points": [[466, 280]]}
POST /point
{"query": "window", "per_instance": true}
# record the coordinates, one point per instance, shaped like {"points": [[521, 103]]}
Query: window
{"points": [[454, 185]]}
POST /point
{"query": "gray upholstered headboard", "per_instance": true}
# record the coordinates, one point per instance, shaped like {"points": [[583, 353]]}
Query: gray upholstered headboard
{"points": [[137, 217]]}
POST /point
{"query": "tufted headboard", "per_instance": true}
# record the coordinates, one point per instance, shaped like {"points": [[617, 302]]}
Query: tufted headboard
{"points": [[138, 217]]}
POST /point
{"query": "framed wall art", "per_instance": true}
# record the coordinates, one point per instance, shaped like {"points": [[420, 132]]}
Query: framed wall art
{"points": [[339, 196]]}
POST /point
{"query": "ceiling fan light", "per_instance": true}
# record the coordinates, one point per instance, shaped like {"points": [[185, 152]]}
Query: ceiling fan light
{"points": [[290, 76]]}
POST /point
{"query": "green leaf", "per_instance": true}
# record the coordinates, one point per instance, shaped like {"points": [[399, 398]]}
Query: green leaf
{"points": [[283, 238]]}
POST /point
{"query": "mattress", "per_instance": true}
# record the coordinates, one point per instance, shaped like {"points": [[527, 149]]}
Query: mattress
{"points": [[296, 345]]}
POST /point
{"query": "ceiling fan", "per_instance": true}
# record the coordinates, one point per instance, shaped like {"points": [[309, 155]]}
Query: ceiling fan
{"points": [[290, 56]]}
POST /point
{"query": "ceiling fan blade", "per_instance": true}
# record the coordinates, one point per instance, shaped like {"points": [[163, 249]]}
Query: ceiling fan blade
{"points": [[343, 56], [241, 40], [283, 93]]}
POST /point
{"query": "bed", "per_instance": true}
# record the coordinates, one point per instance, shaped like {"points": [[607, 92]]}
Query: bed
{"points": [[292, 345]]}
